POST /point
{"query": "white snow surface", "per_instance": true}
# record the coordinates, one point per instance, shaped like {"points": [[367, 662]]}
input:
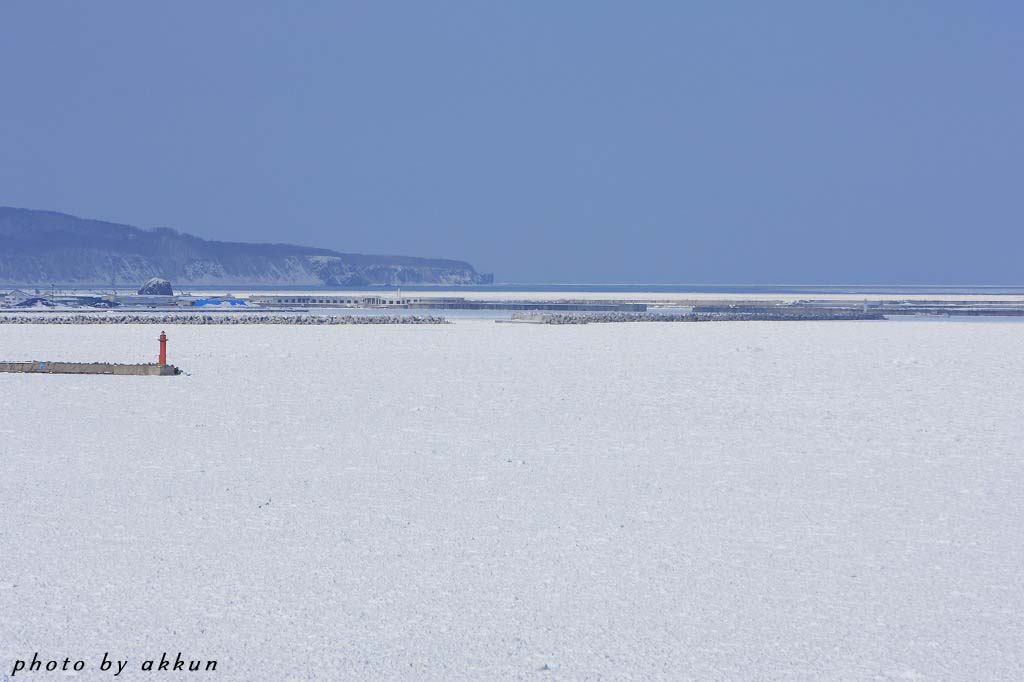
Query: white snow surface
{"points": [[477, 501]]}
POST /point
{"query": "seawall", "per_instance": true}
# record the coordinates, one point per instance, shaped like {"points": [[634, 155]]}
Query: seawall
{"points": [[772, 316], [147, 370], [211, 318]]}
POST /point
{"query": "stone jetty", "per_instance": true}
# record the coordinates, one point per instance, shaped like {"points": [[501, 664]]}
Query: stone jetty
{"points": [[36, 367], [780, 315]]}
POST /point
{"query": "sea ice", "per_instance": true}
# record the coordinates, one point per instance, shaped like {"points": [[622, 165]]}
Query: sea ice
{"points": [[479, 501]]}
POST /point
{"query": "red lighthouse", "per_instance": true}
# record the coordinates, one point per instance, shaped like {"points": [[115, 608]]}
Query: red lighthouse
{"points": [[163, 348]]}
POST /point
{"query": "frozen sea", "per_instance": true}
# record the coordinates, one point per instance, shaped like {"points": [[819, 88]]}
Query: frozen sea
{"points": [[481, 501]]}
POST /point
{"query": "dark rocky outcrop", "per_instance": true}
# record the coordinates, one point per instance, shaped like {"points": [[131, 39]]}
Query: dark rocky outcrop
{"points": [[156, 286]]}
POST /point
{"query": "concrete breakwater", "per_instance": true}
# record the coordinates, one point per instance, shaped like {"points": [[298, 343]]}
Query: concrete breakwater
{"points": [[214, 318], [944, 308], [547, 306], [35, 367], [789, 315], [442, 303]]}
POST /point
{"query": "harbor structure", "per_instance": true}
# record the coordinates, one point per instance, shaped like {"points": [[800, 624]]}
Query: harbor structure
{"points": [[436, 303], [163, 349], [348, 300], [160, 369]]}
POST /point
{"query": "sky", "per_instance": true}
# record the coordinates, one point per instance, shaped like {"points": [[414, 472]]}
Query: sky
{"points": [[544, 141]]}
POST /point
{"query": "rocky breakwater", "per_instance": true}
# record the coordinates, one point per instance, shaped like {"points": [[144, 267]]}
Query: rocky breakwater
{"points": [[214, 318], [773, 316]]}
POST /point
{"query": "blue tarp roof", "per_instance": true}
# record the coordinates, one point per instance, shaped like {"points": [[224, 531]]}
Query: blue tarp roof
{"points": [[218, 301]]}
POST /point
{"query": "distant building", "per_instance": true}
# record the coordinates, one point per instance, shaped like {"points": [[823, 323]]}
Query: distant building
{"points": [[16, 297], [147, 301]]}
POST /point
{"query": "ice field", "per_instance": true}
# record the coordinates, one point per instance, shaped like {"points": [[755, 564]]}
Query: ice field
{"points": [[481, 501]]}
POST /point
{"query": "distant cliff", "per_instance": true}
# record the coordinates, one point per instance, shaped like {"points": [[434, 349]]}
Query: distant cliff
{"points": [[43, 247]]}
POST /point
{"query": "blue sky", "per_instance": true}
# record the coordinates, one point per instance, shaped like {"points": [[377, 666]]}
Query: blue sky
{"points": [[717, 142]]}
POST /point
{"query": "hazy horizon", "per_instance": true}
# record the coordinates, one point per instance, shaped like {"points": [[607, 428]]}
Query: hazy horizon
{"points": [[571, 142]]}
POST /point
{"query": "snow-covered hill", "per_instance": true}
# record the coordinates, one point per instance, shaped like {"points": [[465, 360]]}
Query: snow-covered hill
{"points": [[43, 247]]}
